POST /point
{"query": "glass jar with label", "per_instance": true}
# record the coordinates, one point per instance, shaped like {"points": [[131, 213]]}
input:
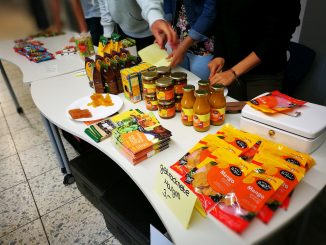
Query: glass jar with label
{"points": [[164, 89], [149, 82], [201, 111], [204, 85], [163, 71], [177, 100], [179, 81], [151, 102], [166, 109], [187, 104], [218, 103]]}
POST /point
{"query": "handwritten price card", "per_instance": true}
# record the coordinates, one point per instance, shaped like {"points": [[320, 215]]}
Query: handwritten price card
{"points": [[175, 194]]}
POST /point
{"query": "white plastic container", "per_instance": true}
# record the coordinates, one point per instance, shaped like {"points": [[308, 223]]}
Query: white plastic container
{"points": [[304, 133]]}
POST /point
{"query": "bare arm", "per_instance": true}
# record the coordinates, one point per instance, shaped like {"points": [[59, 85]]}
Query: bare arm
{"points": [[79, 15], [56, 20]]}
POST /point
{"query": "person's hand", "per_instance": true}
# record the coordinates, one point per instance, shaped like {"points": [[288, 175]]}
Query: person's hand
{"points": [[225, 78], [163, 32], [177, 56], [215, 66]]}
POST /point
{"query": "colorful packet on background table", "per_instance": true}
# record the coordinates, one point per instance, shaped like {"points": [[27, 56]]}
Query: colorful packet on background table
{"points": [[215, 176], [275, 102], [199, 152], [239, 139], [238, 208], [289, 173]]}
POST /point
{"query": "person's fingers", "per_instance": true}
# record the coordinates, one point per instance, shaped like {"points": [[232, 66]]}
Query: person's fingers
{"points": [[218, 68], [170, 55]]}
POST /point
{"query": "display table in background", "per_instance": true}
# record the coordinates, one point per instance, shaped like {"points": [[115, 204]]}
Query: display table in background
{"points": [[53, 95]]}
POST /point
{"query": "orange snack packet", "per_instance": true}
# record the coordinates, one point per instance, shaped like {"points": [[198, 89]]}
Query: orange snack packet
{"points": [[216, 176], [237, 138], [284, 153], [289, 173], [199, 152], [275, 102], [238, 208]]}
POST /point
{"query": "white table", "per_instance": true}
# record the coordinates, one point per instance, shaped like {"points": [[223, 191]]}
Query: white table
{"points": [[53, 95]]}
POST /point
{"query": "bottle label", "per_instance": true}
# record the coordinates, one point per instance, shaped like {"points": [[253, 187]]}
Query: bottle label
{"points": [[178, 88], [187, 115], [202, 121], [152, 105], [149, 88], [217, 115]]}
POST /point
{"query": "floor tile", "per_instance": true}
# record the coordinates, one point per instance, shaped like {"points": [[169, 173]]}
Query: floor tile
{"points": [[32, 233], [26, 102], [11, 172], [30, 118], [49, 191], [7, 147], [111, 241], [17, 208], [38, 159], [29, 137], [71, 152], [1, 113], [19, 92], [78, 222], [4, 130]]}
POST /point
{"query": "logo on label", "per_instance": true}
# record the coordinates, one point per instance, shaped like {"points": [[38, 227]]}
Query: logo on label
{"points": [[287, 175], [264, 185], [255, 102], [236, 171], [291, 160], [241, 144]]}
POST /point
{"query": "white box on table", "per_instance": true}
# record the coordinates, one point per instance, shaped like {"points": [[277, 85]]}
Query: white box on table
{"points": [[304, 133]]}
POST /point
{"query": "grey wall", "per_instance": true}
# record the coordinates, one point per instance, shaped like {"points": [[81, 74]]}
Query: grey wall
{"points": [[313, 35]]}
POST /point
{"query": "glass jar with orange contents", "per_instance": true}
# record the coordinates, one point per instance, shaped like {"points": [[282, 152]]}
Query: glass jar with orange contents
{"points": [[201, 111], [166, 109], [164, 89], [204, 85], [151, 102], [149, 82], [163, 71], [179, 81], [187, 104], [218, 103]]}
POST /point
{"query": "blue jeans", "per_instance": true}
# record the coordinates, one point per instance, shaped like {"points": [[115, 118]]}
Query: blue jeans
{"points": [[197, 64]]}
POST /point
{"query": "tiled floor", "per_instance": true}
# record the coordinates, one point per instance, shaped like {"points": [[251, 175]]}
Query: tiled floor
{"points": [[35, 206]]}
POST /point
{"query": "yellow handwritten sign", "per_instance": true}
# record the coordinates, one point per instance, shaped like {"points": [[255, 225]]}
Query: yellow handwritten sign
{"points": [[175, 194], [154, 55]]}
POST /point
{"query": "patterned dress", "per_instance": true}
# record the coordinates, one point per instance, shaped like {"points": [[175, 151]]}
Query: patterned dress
{"points": [[182, 27]]}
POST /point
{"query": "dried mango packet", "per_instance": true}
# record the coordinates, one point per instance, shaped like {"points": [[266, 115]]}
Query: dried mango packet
{"points": [[101, 45], [239, 139], [199, 152], [275, 102], [291, 176], [289, 155], [89, 68], [238, 208], [216, 176]]}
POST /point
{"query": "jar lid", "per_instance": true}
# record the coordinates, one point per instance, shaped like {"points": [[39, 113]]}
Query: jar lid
{"points": [[166, 102], [188, 88], [149, 75], [150, 95], [178, 75], [164, 82], [217, 86], [163, 70], [203, 82], [201, 92]]}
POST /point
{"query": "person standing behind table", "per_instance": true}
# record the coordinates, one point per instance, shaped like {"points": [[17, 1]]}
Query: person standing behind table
{"points": [[138, 19], [87, 14], [193, 21], [251, 40]]}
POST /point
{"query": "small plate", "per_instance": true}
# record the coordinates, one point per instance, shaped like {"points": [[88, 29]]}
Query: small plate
{"points": [[97, 112]]}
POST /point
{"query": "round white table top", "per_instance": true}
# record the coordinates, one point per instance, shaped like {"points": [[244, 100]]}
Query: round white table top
{"points": [[53, 95]]}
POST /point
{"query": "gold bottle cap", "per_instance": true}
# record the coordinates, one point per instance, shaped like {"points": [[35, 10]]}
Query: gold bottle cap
{"points": [[164, 82], [188, 88], [203, 82], [201, 92], [150, 75], [163, 70], [178, 75], [217, 87]]}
